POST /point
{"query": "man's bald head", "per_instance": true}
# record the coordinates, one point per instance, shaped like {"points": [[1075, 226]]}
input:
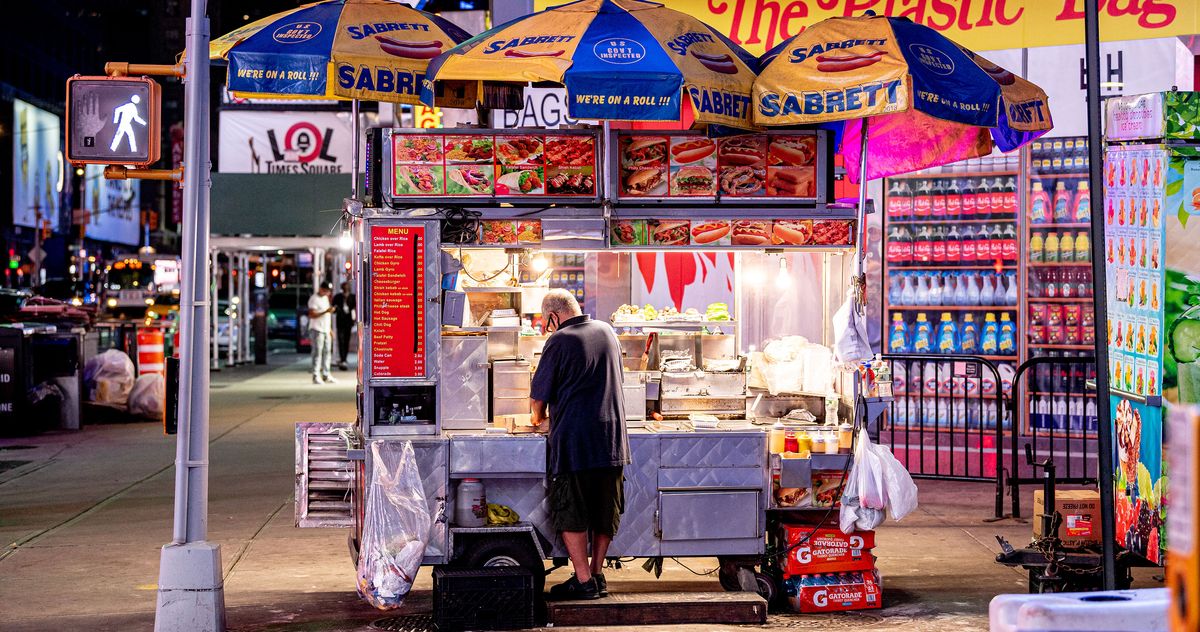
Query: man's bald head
{"points": [[562, 303]]}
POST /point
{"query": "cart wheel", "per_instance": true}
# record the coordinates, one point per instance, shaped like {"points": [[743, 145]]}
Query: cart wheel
{"points": [[487, 552], [766, 587]]}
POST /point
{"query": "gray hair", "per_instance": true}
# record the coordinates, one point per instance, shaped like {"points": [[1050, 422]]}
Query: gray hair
{"points": [[561, 302]]}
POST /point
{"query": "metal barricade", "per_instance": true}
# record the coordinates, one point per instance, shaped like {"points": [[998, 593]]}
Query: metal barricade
{"points": [[1057, 416], [947, 419]]}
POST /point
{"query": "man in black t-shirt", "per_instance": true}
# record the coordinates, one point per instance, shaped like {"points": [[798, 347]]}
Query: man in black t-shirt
{"points": [[344, 314], [579, 380]]}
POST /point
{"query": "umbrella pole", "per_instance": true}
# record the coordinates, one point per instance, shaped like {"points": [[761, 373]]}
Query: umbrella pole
{"points": [[859, 282], [354, 159]]}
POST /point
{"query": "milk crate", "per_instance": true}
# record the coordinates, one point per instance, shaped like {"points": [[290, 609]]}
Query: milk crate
{"points": [[496, 598]]}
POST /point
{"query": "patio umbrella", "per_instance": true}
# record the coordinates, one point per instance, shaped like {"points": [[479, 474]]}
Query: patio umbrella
{"points": [[375, 50], [925, 100], [618, 59]]}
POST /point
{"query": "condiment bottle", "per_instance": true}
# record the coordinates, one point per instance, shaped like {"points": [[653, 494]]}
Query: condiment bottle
{"points": [[778, 439], [791, 442], [845, 436], [831, 442], [808, 443]]}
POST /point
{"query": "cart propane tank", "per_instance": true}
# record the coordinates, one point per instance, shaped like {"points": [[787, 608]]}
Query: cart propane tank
{"points": [[470, 504]]}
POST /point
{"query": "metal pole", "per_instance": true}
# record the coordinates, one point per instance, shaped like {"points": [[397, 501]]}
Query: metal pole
{"points": [[1096, 184], [246, 307], [859, 280], [190, 589], [233, 328], [213, 318], [354, 158]]}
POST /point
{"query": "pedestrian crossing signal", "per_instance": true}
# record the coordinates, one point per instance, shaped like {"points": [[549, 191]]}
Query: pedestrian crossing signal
{"points": [[113, 120]]}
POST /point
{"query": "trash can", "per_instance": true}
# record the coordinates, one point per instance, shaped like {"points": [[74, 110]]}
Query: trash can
{"points": [[57, 366], [14, 382]]}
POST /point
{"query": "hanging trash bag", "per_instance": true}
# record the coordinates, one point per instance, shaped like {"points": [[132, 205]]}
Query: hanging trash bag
{"points": [[395, 527]]}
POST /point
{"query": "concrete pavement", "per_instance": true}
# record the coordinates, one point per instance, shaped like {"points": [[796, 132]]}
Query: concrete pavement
{"points": [[82, 522]]}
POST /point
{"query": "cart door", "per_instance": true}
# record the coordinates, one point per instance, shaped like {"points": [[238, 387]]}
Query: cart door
{"points": [[324, 475]]}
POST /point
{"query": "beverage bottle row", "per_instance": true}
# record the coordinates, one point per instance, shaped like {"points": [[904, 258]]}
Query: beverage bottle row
{"points": [[1059, 155], [1050, 247], [1062, 377], [950, 336], [1068, 205], [1060, 283], [944, 412], [932, 244], [981, 198], [1060, 412], [965, 288]]}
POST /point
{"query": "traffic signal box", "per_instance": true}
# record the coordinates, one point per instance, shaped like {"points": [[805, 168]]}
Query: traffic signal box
{"points": [[1183, 519], [830, 571], [113, 121]]}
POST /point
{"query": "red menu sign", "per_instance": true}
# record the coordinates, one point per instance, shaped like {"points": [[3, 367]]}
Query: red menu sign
{"points": [[397, 301]]}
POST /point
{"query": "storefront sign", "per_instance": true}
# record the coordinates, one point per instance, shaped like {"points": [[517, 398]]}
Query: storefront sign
{"points": [[744, 168], [979, 25], [1174, 115], [544, 107], [397, 301], [37, 165], [112, 207], [285, 142], [483, 164]]}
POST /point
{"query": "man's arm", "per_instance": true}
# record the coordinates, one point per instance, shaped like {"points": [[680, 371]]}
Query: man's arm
{"points": [[537, 410]]}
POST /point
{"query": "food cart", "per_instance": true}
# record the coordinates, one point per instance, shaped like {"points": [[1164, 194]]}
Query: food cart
{"points": [[464, 231]]}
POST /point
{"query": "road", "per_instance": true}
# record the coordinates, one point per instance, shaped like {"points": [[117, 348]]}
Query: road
{"points": [[83, 515]]}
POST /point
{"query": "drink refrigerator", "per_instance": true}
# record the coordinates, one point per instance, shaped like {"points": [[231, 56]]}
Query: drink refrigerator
{"points": [[1152, 269]]}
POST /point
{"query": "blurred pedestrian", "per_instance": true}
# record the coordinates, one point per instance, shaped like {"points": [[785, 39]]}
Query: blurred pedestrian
{"points": [[320, 332], [344, 302]]}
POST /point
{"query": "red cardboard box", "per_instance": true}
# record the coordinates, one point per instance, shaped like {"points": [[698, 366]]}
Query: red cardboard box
{"points": [[828, 550], [834, 592]]}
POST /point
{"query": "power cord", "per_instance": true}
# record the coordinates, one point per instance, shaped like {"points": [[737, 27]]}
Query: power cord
{"points": [[460, 225]]}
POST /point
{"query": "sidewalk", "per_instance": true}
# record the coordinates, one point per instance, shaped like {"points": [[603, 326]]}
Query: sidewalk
{"points": [[82, 524]]}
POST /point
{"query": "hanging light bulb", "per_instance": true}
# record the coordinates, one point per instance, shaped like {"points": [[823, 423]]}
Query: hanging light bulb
{"points": [[539, 263], [346, 242], [783, 280]]}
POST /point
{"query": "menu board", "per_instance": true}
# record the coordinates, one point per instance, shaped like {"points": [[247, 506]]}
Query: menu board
{"points": [[1133, 250], [486, 164], [773, 166], [660, 233], [397, 305]]}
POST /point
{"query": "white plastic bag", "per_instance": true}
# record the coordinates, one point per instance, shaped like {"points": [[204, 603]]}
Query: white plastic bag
{"points": [[901, 490], [876, 482], [149, 396], [108, 378], [851, 343], [395, 527]]}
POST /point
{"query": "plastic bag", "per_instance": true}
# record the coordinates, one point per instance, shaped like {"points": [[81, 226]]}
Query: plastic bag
{"points": [[851, 342], [901, 490], [395, 527], [149, 396], [108, 378], [876, 482]]}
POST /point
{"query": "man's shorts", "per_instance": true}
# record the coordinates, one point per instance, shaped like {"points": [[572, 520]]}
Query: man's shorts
{"points": [[588, 500]]}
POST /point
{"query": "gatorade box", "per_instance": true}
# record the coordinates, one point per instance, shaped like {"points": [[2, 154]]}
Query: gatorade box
{"points": [[834, 592], [828, 550]]}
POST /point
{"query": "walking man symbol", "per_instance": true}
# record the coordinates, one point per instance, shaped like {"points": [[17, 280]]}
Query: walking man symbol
{"points": [[125, 116]]}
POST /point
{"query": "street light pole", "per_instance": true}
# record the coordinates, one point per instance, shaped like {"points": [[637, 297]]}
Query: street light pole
{"points": [[191, 593]]}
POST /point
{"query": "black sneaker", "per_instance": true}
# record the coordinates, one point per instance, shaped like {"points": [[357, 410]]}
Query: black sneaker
{"points": [[573, 589], [601, 584]]}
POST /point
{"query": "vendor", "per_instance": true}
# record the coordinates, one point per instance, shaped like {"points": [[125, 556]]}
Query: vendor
{"points": [[579, 379]]}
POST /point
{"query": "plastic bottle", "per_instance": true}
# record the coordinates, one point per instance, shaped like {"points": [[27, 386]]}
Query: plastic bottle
{"points": [[908, 294], [953, 200], [1035, 289], [778, 438], [1008, 197], [1075, 413], [470, 504], [953, 245], [899, 205], [1081, 207], [1066, 248], [1007, 342], [935, 289], [967, 243], [983, 200], [960, 289], [937, 249], [1089, 413], [922, 246], [922, 289], [1058, 410], [989, 341], [922, 335], [1010, 295], [1067, 288], [987, 293], [922, 200], [1009, 242], [895, 245], [937, 200], [1062, 203], [947, 335], [972, 289], [967, 200], [1039, 204], [1037, 244], [1050, 250], [968, 340], [1083, 247], [894, 283]]}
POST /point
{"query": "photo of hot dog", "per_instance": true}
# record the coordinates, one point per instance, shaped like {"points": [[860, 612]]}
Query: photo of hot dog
{"points": [[842, 62], [716, 63], [693, 180], [647, 181], [689, 149], [749, 150], [669, 232], [791, 181], [409, 50], [742, 180], [709, 232], [792, 150], [791, 232], [831, 232], [751, 232], [524, 54], [642, 151]]}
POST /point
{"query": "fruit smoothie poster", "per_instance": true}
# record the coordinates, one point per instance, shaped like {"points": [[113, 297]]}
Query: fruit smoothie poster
{"points": [[1139, 478]]}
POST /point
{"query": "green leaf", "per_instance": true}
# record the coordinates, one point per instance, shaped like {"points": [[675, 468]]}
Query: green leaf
{"points": [[1183, 216]]}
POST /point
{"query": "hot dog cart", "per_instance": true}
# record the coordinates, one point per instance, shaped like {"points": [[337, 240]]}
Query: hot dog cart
{"points": [[465, 230]]}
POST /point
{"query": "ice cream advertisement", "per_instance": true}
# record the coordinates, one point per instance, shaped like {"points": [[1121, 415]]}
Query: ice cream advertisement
{"points": [[1139, 478]]}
